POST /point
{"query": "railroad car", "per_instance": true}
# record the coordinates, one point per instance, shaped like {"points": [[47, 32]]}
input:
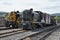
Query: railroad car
{"points": [[53, 22], [47, 19], [13, 19]]}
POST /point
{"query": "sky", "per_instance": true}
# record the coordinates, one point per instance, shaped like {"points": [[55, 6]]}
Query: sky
{"points": [[48, 6]]}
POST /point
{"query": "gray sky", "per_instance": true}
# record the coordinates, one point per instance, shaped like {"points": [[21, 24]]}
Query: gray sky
{"points": [[48, 6]]}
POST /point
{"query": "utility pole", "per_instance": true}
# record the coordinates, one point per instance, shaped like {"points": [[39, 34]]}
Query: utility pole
{"points": [[56, 18], [14, 10]]}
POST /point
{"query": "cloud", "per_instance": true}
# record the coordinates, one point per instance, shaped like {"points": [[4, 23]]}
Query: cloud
{"points": [[52, 9], [49, 6], [53, 0], [5, 2]]}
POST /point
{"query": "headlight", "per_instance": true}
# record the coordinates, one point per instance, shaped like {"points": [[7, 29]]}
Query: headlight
{"points": [[10, 25], [24, 23]]}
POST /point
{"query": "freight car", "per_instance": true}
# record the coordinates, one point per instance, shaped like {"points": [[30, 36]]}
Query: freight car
{"points": [[48, 20]]}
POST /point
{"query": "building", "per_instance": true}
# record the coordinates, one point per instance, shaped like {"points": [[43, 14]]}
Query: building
{"points": [[2, 19]]}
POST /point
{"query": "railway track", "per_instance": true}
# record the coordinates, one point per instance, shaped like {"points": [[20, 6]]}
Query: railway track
{"points": [[40, 35], [3, 28], [27, 34], [9, 32]]}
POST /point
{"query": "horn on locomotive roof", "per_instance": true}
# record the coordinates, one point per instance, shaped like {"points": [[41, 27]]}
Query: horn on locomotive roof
{"points": [[31, 9]]}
